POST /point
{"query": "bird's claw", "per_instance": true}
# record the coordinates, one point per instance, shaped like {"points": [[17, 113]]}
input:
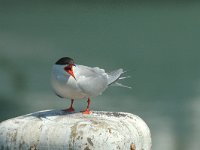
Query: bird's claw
{"points": [[87, 112], [71, 109]]}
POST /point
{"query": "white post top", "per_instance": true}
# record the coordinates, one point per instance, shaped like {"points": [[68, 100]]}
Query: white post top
{"points": [[55, 129]]}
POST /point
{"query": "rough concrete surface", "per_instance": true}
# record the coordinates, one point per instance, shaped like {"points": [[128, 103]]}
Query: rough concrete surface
{"points": [[55, 129]]}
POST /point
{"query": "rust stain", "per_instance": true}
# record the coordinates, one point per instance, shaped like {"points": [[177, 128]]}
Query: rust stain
{"points": [[73, 135], [82, 125], [73, 131], [78, 137], [109, 129], [118, 147], [21, 144], [132, 147], [33, 147], [94, 122], [12, 135], [90, 141], [87, 148]]}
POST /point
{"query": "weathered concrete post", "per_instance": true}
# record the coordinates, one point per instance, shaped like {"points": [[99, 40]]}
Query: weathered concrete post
{"points": [[53, 129]]}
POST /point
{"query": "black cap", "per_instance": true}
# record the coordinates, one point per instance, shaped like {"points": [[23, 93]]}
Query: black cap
{"points": [[65, 61]]}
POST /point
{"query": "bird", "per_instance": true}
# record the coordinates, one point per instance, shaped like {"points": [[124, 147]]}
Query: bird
{"points": [[73, 81]]}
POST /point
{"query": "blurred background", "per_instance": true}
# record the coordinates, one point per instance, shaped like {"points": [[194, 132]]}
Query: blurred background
{"points": [[157, 42]]}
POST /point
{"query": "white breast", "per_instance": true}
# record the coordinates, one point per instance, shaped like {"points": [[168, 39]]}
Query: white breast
{"points": [[64, 85]]}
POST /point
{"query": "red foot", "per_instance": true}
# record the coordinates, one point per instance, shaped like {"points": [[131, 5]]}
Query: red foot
{"points": [[87, 112], [71, 109]]}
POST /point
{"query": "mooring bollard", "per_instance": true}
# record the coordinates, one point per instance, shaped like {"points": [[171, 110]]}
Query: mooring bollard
{"points": [[55, 129]]}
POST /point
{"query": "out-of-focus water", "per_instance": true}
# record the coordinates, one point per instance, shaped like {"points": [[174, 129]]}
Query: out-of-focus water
{"points": [[156, 42]]}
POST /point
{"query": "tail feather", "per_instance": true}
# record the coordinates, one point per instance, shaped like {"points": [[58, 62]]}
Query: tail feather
{"points": [[121, 78], [121, 85], [116, 75]]}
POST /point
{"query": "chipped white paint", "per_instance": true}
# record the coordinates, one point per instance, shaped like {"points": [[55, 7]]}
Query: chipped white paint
{"points": [[53, 129]]}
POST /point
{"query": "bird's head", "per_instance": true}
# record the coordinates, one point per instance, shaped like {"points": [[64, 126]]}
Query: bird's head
{"points": [[68, 64]]}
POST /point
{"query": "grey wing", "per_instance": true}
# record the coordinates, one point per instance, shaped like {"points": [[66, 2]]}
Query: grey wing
{"points": [[81, 70], [92, 81], [114, 76]]}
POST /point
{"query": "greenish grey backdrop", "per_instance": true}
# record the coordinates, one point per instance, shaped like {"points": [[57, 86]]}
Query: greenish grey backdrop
{"points": [[157, 42]]}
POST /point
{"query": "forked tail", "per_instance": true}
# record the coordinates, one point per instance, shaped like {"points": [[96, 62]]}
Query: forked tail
{"points": [[116, 75]]}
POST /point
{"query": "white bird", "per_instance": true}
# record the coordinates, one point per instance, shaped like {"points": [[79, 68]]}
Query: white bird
{"points": [[73, 81]]}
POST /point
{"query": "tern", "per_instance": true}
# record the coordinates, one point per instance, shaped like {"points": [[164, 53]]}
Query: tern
{"points": [[73, 81]]}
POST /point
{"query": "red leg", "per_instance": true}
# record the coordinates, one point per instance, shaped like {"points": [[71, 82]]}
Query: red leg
{"points": [[86, 111], [70, 109]]}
